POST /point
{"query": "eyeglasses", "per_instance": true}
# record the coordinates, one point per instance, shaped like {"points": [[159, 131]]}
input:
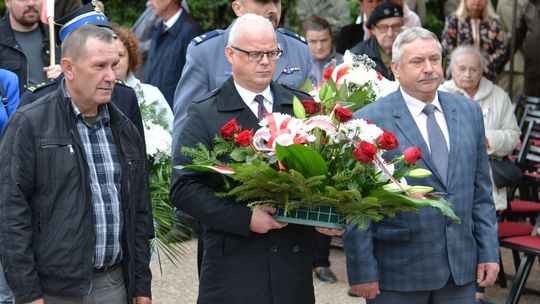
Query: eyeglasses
{"points": [[396, 28], [257, 56]]}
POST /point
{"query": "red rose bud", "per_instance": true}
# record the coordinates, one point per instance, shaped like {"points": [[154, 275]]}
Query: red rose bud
{"points": [[342, 114], [368, 121], [311, 106], [328, 73], [379, 76], [245, 138], [387, 141], [412, 155], [229, 129], [365, 152]]}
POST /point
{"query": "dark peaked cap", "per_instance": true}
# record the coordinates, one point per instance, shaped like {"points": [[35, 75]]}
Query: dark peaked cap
{"points": [[88, 14], [383, 11]]}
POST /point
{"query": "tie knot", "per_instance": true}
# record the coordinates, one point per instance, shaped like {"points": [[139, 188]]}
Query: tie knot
{"points": [[259, 99], [428, 109]]}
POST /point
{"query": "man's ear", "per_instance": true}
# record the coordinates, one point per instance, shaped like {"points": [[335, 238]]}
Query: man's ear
{"points": [[237, 8], [395, 69], [229, 53], [67, 68]]}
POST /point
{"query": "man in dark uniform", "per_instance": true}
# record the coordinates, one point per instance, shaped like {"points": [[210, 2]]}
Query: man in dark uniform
{"points": [[385, 23], [248, 256], [123, 96], [207, 68]]}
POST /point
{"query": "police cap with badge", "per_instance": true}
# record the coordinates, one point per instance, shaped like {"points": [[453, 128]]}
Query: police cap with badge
{"points": [[383, 11], [90, 13]]}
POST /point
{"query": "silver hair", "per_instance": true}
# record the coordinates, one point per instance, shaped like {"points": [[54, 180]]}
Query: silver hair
{"points": [[245, 22], [409, 35], [467, 49], [74, 46]]}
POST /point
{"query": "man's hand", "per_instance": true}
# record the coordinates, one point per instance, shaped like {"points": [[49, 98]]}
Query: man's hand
{"points": [[53, 71], [38, 301], [486, 274], [142, 300], [262, 220], [330, 231], [369, 290]]}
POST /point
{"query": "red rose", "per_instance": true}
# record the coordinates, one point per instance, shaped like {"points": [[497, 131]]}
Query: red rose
{"points": [[379, 76], [342, 114], [365, 152], [412, 155], [328, 73], [245, 138], [311, 106], [229, 129], [387, 141]]}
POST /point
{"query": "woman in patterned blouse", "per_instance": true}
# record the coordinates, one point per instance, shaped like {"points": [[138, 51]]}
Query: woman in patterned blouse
{"points": [[475, 23]]}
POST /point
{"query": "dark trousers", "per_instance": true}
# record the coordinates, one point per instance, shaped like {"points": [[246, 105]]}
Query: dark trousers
{"points": [[107, 287], [321, 250]]}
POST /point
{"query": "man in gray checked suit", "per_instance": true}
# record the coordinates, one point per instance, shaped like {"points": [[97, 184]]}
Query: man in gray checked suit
{"points": [[421, 258]]}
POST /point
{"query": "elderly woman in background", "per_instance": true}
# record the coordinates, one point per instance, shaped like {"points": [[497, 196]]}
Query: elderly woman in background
{"points": [[502, 130], [151, 100], [475, 23]]}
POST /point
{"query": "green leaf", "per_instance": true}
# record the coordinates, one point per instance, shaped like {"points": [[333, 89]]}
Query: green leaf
{"points": [[239, 155], [302, 159], [394, 199], [308, 85], [298, 108]]}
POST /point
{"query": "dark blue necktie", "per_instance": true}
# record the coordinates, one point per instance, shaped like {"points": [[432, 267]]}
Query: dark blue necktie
{"points": [[437, 142]]}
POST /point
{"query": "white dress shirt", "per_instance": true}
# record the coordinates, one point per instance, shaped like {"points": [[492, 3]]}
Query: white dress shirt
{"points": [[416, 106], [169, 23], [249, 99]]}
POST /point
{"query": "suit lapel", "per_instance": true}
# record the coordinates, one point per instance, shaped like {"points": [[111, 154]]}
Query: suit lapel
{"points": [[406, 124], [282, 98]]}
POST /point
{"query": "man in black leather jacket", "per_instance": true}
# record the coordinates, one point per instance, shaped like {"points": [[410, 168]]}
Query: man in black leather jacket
{"points": [[74, 213]]}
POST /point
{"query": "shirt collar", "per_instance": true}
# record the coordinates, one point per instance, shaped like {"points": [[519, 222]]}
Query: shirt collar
{"points": [[416, 106], [103, 111], [169, 23], [248, 96]]}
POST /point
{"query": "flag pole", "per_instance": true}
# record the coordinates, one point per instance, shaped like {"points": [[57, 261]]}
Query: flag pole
{"points": [[52, 43]]}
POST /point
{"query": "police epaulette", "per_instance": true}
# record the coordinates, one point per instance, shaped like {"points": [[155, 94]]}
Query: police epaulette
{"points": [[292, 34], [40, 86], [207, 95], [122, 83], [206, 36]]}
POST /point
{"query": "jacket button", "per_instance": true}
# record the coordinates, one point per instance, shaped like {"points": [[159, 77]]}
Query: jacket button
{"points": [[273, 249], [296, 248]]}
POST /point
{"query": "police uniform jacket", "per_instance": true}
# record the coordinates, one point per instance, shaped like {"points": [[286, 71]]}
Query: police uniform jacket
{"points": [[207, 67], [239, 266], [12, 57], [370, 48]]}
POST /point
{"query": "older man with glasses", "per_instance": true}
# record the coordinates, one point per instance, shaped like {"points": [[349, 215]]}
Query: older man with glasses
{"points": [[385, 24]]}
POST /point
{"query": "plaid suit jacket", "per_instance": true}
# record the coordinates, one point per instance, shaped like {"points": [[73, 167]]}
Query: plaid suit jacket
{"points": [[420, 251]]}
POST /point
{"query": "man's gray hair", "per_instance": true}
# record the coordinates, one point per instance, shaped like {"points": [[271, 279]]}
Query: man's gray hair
{"points": [[467, 49], [409, 35], [74, 46], [245, 22]]}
